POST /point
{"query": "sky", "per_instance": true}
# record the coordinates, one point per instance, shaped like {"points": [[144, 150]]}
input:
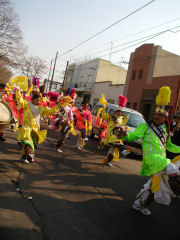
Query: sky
{"points": [[51, 26]]}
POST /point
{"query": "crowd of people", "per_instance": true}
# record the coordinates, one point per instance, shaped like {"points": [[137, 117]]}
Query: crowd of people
{"points": [[160, 140]]}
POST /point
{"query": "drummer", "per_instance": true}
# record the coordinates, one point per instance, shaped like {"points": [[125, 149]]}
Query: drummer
{"points": [[2, 91]]}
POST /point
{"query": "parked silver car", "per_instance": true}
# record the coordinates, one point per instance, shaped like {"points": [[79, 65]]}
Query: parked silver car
{"points": [[135, 119]]}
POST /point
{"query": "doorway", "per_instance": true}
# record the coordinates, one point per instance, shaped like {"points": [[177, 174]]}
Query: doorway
{"points": [[146, 111]]}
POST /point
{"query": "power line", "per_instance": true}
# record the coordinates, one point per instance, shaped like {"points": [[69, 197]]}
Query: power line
{"points": [[169, 30], [146, 38], [107, 49], [103, 30], [147, 29]]}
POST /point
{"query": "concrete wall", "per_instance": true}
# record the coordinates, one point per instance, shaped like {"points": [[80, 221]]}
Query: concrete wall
{"points": [[85, 74], [167, 64], [110, 72], [69, 76], [110, 91]]}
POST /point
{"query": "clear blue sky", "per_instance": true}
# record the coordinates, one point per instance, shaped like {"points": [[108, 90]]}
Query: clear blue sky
{"points": [[49, 26]]}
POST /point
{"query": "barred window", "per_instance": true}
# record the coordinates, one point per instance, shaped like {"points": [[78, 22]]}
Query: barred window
{"points": [[134, 75], [140, 76]]}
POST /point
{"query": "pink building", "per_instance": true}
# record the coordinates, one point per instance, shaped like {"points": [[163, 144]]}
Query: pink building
{"points": [[151, 67]]}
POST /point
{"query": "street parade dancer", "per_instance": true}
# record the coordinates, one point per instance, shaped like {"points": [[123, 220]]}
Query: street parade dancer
{"points": [[33, 89], [155, 140], [101, 123], [115, 125], [51, 102], [2, 91], [83, 124], [30, 134], [64, 118], [9, 97], [102, 133]]}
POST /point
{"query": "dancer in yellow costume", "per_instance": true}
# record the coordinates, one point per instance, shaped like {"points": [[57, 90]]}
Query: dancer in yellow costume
{"points": [[30, 134], [115, 125]]}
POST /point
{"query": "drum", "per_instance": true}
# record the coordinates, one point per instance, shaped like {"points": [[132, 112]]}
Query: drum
{"points": [[5, 115]]}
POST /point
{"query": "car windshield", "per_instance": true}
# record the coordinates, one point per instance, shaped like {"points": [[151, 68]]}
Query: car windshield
{"points": [[96, 109], [134, 119]]}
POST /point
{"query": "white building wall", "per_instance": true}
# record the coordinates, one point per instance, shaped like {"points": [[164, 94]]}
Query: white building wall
{"points": [[167, 63], [111, 92], [85, 74]]}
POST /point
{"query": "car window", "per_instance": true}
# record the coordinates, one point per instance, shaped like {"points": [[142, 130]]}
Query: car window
{"points": [[96, 109], [134, 119], [111, 112]]}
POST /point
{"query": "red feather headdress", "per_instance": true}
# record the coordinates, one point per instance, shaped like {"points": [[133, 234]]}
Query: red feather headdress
{"points": [[53, 94], [122, 101]]}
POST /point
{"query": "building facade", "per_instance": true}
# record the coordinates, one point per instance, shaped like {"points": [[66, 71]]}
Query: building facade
{"points": [[86, 76], [151, 67], [111, 92], [53, 86]]}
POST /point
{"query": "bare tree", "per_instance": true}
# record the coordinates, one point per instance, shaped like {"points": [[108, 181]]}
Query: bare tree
{"points": [[11, 44], [5, 74], [32, 66]]}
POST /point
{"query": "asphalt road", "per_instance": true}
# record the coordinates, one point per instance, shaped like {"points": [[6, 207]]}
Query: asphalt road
{"points": [[72, 195]]}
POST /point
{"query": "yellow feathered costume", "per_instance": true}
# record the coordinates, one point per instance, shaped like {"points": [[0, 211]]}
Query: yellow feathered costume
{"points": [[29, 121], [162, 99]]}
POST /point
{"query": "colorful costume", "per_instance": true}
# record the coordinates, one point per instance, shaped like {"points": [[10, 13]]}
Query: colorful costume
{"points": [[2, 89], [155, 141], [115, 125], [30, 134], [64, 122], [83, 125], [102, 132]]}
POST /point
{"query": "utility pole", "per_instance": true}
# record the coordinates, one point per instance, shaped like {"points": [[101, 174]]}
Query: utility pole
{"points": [[53, 72], [176, 98], [67, 64], [48, 76]]}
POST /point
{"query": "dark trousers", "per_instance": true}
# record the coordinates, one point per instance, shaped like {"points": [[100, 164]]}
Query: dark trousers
{"points": [[112, 148], [63, 134]]}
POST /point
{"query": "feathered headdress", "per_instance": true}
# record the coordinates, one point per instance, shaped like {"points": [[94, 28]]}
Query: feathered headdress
{"points": [[103, 100], [53, 95], [21, 81], [65, 101], [71, 92], [162, 99], [122, 100], [36, 81]]}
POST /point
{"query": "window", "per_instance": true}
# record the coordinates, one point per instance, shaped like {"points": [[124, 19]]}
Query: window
{"points": [[96, 109], [110, 101], [128, 104], [79, 94], [54, 86], [134, 75], [135, 106], [111, 112], [140, 76], [134, 119]]}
